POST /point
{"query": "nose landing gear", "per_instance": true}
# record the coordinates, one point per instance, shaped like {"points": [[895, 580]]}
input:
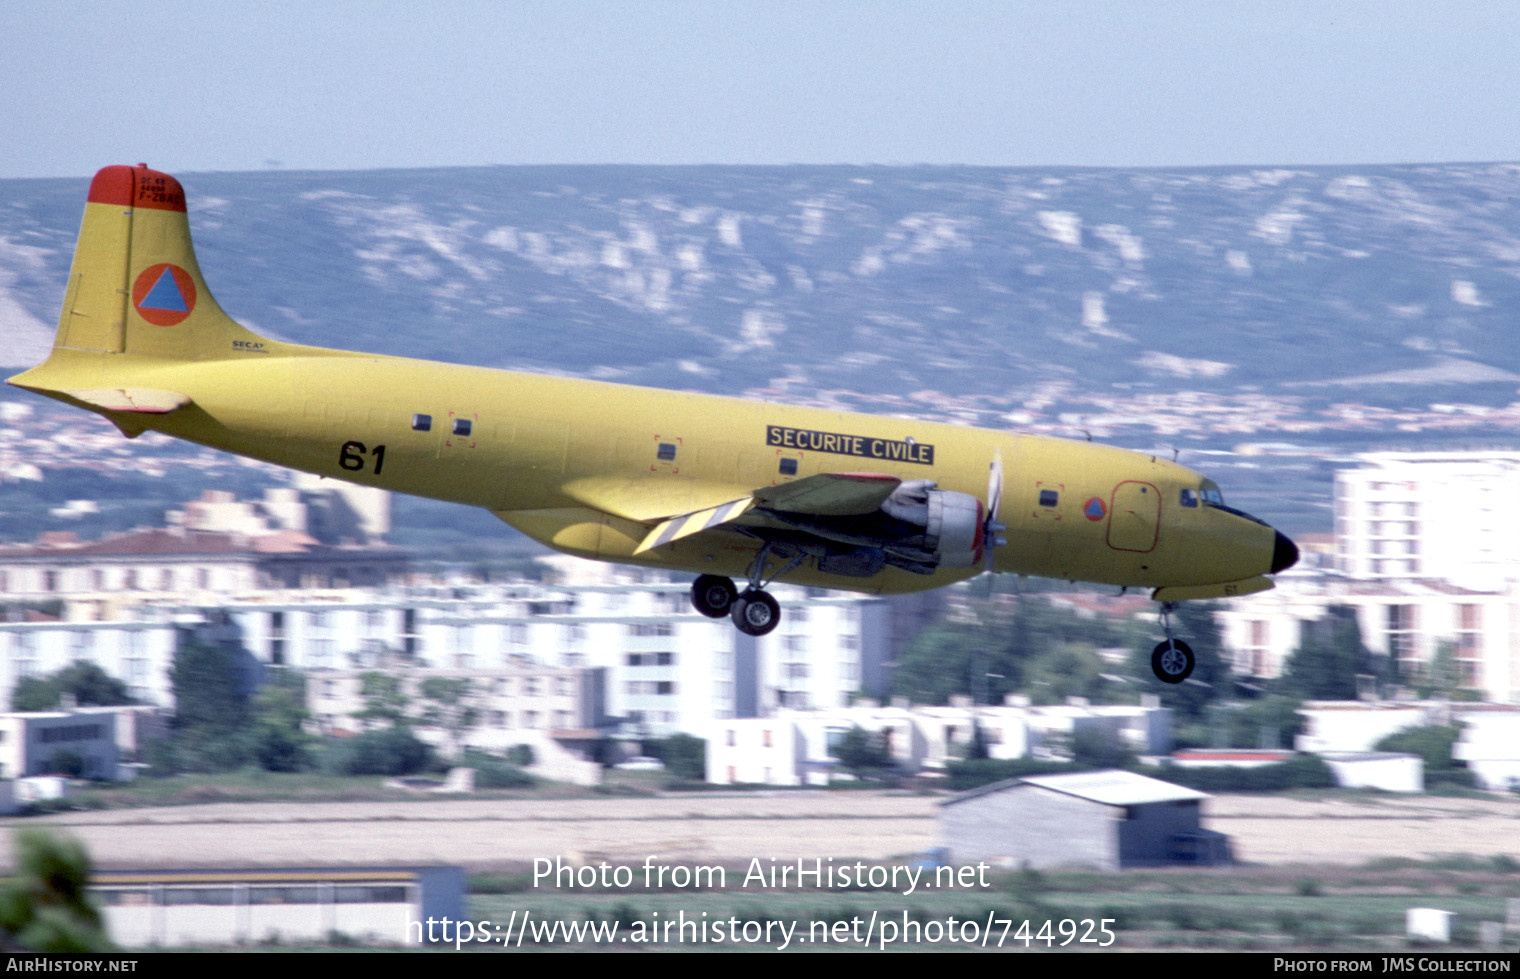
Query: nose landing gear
{"points": [[1172, 660]]}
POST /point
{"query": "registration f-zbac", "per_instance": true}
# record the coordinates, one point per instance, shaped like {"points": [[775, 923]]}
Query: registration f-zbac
{"points": [[718, 487]]}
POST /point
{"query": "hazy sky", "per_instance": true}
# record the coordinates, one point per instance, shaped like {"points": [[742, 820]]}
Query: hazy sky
{"points": [[190, 85]]}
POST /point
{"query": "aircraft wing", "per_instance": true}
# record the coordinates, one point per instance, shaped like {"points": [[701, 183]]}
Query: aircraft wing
{"points": [[823, 495]]}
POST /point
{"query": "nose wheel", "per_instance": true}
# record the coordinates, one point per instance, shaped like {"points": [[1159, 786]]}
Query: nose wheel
{"points": [[1172, 660]]}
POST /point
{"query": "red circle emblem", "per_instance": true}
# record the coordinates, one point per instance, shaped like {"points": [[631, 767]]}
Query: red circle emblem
{"points": [[163, 294], [1094, 510]]}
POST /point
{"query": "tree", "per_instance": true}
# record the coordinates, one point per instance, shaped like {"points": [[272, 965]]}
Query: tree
{"points": [[684, 755], [1101, 748], [86, 683], [388, 751], [1444, 677], [1066, 669], [45, 907], [383, 698], [280, 741], [445, 708], [66, 762], [210, 696], [861, 751], [211, 711], [1326, 665], [1023, 644]]}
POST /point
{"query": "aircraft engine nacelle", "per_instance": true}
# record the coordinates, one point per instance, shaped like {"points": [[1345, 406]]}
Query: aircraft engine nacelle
{"points": [[954, 523]]}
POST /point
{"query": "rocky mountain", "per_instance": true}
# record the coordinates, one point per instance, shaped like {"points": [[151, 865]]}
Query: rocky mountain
{"points": [[884, 282]]}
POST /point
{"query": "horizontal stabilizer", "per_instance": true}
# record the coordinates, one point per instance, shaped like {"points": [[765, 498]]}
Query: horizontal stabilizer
{"points": [[694, 523], [142, 400]]}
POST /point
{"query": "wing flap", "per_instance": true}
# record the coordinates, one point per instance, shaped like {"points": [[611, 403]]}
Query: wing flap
{"points": [[688, 524], [824, 495], [830, 494]]}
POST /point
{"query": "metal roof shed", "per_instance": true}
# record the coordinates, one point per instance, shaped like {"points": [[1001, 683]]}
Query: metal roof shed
{"points": [[1105, 819]]}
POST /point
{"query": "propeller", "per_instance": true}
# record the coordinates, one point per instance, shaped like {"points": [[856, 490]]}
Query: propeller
{"points": [[991, 531]]}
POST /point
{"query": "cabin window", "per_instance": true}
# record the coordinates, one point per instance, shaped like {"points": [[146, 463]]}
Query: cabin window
{"points": [[1189, 498], [422, 423], [461, 426], [667, 451], [788, 467], [1049, 498]]}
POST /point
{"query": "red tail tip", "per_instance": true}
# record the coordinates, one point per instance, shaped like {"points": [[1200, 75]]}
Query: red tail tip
{"points": [[137, 186]]}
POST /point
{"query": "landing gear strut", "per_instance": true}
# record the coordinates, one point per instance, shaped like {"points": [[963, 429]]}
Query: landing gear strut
{"points": [[1172, 660], [753, 610]]}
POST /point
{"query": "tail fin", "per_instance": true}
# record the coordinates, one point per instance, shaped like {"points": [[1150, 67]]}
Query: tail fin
{"points": [[135, 287]]}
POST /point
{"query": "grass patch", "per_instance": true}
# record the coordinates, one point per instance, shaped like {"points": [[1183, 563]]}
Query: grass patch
{"points": [[1238, 908]]}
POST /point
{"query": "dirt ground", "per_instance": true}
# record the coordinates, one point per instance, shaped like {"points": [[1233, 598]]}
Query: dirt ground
{"points": [[786, 825]]}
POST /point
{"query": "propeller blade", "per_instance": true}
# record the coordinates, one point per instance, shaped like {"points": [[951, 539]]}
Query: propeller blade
{"points": [[990, 539]]}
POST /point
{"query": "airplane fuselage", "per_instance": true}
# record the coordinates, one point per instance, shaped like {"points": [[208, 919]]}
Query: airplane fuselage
{"points": [[578, 464]]}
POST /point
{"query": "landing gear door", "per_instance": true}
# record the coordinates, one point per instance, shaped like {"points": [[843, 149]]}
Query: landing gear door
{"points": [[1134, 517]]}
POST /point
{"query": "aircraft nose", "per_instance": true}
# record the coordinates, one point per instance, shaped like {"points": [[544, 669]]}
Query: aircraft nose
{"points": [[1284, 553]]}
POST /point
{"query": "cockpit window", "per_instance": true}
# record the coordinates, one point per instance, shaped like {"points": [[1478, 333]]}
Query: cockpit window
{"points": [[1210, 492], [1189, 498]]}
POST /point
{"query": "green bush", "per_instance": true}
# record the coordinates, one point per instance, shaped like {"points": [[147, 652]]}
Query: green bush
{"points": [[1302, 772], [66, 762], [963, 775], [392, 751], [684, 755], [1433, 745], [495, 773]]}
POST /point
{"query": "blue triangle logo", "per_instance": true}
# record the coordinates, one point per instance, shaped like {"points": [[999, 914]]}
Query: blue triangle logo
{"points": [[1094, 508], [165, 295]]}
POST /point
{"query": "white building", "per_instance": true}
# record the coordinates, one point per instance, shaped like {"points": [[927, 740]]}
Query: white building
{"points": [[238, 906], [1430, 515], [668, 668], [1490, 747], [799, 747], [558, 712], [1427, 554], [1409, 620], [1340, 726]]}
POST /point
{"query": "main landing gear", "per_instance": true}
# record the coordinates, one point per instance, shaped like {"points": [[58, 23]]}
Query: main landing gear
{"points": [[1172, 660], [753, 610]]}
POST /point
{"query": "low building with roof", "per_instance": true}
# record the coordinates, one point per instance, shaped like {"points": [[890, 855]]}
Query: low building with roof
{"points": [[59, 742], [1109, 820], [1386, 771], [1490, 747], [193, 908]]}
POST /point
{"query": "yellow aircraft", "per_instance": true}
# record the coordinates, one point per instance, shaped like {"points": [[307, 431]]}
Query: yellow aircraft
{"points": [[718, 487]]}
